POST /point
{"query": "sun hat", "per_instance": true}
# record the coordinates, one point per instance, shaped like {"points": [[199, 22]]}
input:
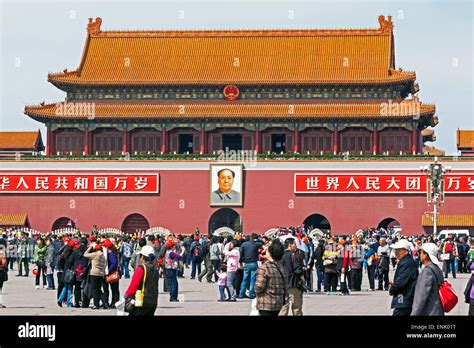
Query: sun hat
{"points": [[147, 251], [432, 250], [401, 244]]}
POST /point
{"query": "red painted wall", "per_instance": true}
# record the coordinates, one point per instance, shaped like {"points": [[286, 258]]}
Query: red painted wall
{"points": [[269, 201]]}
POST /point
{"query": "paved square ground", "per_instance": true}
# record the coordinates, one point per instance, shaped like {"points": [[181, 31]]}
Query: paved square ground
{"points": [[21, 298]]}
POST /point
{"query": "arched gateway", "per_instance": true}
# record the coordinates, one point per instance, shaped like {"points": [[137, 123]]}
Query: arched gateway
{"points": [[225, 217], [135, 223], [318, 221]]}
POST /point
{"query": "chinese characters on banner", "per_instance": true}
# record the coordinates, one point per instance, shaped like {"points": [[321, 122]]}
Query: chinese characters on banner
{"points": [[314, 183], [80, 183]]}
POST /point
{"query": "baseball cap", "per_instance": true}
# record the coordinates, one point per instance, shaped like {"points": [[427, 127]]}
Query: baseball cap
{"points": [[401, 244], [147, 251]]}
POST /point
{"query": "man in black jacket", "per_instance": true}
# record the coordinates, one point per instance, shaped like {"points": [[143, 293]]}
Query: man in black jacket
{"points": [[292, 263], [403, 285], [249, 258]]}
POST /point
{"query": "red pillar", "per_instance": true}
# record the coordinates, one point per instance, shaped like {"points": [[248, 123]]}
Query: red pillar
{"points": [[296, 147], [202, 141], [49, 139], [125, 147], [414, 140], [163, 140], [86, 141], [420, 142], [375, 140], [257, 139], [335, 141]]}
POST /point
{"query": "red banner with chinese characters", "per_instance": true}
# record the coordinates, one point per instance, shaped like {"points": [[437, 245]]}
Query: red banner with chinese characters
{"points": [[79, 183], [342, 183]]}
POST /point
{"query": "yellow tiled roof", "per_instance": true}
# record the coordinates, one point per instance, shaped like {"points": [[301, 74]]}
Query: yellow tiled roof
{"points": [[432, 151], [465, 139], [219, 110], [20, 140], [19, 219], [449, 220], [236, 57]]}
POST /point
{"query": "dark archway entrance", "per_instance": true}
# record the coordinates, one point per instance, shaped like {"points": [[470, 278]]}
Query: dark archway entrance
{"points": [[317, 221], [388, 223], [225, 217], [135, 223], [62, 222]]}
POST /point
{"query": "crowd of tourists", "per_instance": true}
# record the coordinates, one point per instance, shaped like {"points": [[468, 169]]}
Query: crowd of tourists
{"points": [[85, 270]]}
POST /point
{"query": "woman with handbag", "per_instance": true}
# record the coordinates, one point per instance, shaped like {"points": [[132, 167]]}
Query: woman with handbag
{"points": [[141, 297], [271, 287], [97, 271], [113, 274], [330, 267], [39, 259], [68, 275]]}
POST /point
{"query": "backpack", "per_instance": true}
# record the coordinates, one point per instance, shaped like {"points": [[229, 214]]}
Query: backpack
{"points": [[127, 250], [447, 296], [199, 250]]}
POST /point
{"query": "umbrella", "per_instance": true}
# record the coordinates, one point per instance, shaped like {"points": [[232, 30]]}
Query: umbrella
{"points": [[272, 233], [299, 244], [224, 232]]}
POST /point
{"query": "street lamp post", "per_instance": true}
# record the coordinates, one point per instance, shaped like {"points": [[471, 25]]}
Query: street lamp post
{"points": [[435, 188]]}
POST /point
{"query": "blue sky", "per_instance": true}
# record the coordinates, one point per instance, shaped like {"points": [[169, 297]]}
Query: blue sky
{"points": [[433, 38]]}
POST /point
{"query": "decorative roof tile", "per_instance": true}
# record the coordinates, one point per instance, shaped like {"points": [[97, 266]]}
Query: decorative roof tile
{"points": [[449, 220], [363, 56], [465, 139], [220, 110], [21, 141], [19, 219]]}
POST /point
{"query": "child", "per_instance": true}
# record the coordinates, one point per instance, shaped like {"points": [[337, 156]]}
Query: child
{"points": [[221, 282]]}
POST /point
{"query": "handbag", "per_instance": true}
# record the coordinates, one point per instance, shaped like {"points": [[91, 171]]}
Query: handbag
{"points": [[327, 262], [112, 277], [68, 276], [180, 264], [447, 295], [140, 294], [445, 257], [130, 303]]}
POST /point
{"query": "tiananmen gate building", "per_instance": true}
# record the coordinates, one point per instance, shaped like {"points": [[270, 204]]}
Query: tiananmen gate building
{"points": [[284, 92], [269, 91]]}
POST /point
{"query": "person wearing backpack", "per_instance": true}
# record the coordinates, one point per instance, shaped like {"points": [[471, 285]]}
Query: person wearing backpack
{"points": [[403, 285], [126, 253], [196, 257], [426, 299], [206, 256]]}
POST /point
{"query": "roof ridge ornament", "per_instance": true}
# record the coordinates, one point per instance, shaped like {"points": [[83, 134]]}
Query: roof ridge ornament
{"points": [[386, 25], [94, 26]]}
